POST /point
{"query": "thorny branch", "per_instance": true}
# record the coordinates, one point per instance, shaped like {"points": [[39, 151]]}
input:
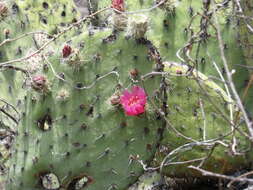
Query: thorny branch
{"points": [[211, 174], [241, 176]]}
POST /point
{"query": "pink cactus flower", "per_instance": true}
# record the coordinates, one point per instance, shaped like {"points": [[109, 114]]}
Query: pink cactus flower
{"points": [[66, 51], [134, 102], [118, 4]]}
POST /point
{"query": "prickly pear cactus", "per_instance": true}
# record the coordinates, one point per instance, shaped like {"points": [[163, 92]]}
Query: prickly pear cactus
{"points": [[245, 37], [67, 80], [198, 115], [246, 30], [72, 133], [173, 34]]}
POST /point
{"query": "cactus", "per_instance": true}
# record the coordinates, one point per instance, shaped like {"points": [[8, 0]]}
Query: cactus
{"points": [[73, 131], [204, 104], [245, 40], [246, 29], [99, 145]]}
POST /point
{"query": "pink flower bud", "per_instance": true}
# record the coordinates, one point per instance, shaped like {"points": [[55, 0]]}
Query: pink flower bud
{"points": [[3, 10], [39, 83]]}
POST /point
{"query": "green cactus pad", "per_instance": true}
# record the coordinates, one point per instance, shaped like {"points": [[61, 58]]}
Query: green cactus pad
{"points": [[198, 116], [61, 142]]}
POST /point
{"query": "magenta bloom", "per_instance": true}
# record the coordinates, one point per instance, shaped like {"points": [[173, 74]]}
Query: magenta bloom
{"points": [[134, 102]]}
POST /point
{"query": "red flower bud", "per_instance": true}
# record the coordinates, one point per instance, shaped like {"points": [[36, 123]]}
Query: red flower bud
{"points": [[66, 51], [118, 4]]}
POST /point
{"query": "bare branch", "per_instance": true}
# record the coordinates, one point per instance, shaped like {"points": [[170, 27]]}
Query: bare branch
{"points": [[211, 174], [229, 78], [241, 176]]}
